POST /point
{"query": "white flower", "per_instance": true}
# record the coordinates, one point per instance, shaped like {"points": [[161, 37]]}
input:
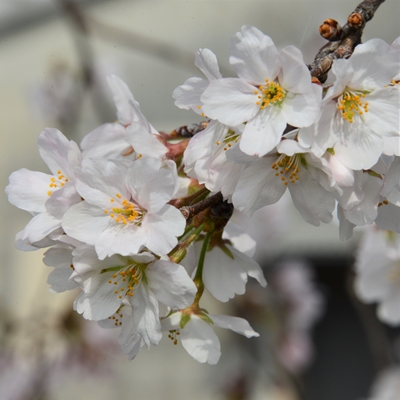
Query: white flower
{"points": [[273, 90], [106, 283], [206, 158], [387, 385], [187, 96], [360, 203], [125, 208], [129, 339], [46, 196], [395, 47], [378, 273], [60, 257], [115, 284], [198, 338], [360, 110], [293, 167], [132, 135], [228, 263]]}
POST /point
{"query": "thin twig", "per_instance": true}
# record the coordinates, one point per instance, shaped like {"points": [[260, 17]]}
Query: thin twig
{"points": [[343, 40], [190, 211]]}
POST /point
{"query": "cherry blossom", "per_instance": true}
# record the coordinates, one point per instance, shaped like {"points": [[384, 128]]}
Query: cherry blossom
{"points": [[360, 109], [197, 336], [47, 197], [378, 273], [125, 207], [273, 89]]}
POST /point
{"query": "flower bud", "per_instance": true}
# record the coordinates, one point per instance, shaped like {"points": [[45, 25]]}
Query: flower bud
{"points": [[330, 30]]}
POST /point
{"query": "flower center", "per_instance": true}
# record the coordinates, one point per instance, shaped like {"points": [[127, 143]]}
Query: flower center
{"points": [[57, 182], [173, 335], [229, 140], [126, 212], [126, 279], [350, 103], [270, 93], [287, 167]]}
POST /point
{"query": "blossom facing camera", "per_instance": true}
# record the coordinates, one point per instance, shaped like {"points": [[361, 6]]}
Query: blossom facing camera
{"points": [[273, 89], [124, 208]]}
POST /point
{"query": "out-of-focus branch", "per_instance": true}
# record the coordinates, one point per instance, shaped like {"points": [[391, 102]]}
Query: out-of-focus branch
{"points": [[82, 39], [84, 50], [342, 40], [145, 44]]}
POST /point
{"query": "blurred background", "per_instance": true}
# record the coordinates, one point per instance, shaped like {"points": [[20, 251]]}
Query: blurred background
{"points": [[54, 56]]}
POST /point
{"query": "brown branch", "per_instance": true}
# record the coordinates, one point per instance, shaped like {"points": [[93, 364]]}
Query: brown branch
{"points": [[190, 211], [342, 40]]}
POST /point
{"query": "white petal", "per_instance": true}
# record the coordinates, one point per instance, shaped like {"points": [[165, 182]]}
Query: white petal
{"points": [[231, 101], [171, 284], [302, 110], [98, 300], [108, 141], [151, 185], [294, 75], [187, 96], [127, 107], [383, 116], [200, 341], [257, 187], [373, 65], [254, 55], [235, 324], [311, 199], [61, 200], [59, 257], [27, 190], [345, 226], [144, 142], [224, 277], [130, 341], [145, 315], [263, 132], [122, 239], [343, 175], [39, 227], [241, 240], [388, 218], [163, 228], [85, 222], [207, 62], [389, 310], [99, 181], [359, 147], [53, 148]]}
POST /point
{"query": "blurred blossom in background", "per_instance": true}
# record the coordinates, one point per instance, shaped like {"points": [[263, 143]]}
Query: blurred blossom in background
{"points": [[317, 340]]}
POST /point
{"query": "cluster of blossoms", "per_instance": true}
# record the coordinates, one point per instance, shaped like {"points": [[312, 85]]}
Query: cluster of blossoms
{"points": [[138, 220], [272, 129]]}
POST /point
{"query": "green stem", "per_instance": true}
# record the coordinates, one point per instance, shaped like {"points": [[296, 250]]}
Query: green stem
{"points": [[187, 230], [198, 279], [178, 253]]}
